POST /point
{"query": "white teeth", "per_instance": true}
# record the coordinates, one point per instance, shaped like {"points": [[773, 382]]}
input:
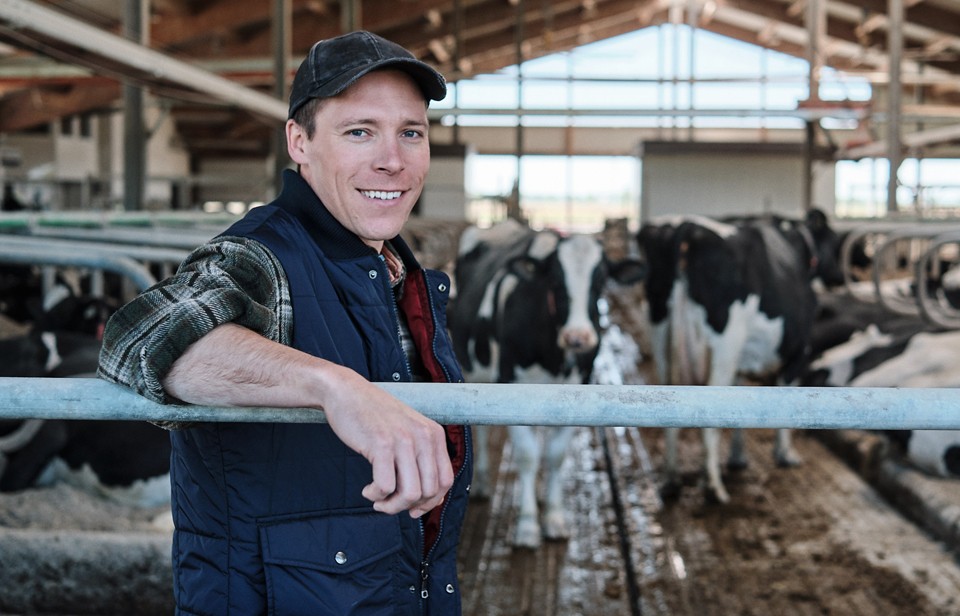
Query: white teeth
{"points": [[381, 194]]}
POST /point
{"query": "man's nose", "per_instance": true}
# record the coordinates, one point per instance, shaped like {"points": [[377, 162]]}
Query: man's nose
{"points": [[390, 155]]}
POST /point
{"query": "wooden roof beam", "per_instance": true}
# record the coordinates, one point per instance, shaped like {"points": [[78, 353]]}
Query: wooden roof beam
{"points": [[36, 106]]}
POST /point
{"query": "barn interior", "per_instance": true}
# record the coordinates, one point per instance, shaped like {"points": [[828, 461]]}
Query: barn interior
{"points": [[150, 125], [172, 104]]}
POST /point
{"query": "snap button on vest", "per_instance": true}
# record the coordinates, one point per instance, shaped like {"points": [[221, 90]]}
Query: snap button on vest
{"points": [[341, 558], [372, 274], [396, 376], [450, 588], [442, 288]]}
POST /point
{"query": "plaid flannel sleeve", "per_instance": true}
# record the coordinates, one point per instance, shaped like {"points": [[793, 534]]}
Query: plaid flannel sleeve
{"points": [[229, 279]]}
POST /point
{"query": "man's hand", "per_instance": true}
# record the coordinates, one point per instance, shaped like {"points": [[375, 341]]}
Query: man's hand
{"points": [[411, 467]]}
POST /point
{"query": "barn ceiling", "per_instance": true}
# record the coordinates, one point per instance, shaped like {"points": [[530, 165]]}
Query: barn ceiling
{"points": [[43, 77]]}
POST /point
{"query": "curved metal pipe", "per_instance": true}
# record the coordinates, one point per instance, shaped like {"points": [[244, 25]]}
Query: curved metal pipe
{"points": [[125, 266], [934, 312]]}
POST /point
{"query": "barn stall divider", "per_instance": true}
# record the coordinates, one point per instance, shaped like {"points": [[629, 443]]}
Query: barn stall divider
{"points": [[910, 255]]}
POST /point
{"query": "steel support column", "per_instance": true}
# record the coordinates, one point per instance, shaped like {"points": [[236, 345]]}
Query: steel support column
{"points": [[135, 28], [894, 95], [816, 18], [282, 31], [351, 15], [517, 212]]}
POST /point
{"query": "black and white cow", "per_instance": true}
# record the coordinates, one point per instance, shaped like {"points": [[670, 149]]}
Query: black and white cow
{"points": [[526, 311], [732, 302], [123, 461], [126, 461], [925, 359], [851, 336], [63, 338], [882, 349]]}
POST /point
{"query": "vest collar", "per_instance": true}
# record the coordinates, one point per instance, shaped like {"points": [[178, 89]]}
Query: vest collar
{"points": [[298, 198]]}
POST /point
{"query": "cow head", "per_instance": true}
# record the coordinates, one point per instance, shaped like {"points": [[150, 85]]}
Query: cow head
{"points": [[573, 271], [825, 249], [65, 311]]}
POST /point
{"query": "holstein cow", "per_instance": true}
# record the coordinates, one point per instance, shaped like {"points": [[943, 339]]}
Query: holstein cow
{"points": [[526, 311], [926, 359], [123, 461], [126, 461], [851, 336], [732, 302], [889, 350]]}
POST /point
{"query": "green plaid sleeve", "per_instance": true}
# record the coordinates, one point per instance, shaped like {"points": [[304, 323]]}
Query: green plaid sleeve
{"points": [[229, 279]]}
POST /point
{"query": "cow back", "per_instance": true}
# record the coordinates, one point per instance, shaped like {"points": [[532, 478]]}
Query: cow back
{"points": [[720, 263]]}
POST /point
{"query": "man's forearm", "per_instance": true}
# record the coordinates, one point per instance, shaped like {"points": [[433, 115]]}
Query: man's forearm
{"points": [[234, 366]]}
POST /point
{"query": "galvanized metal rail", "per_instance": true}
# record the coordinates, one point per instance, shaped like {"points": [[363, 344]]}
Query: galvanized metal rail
{"points": [[506, 404], [54, 256], [184, 239], [146, 254]]}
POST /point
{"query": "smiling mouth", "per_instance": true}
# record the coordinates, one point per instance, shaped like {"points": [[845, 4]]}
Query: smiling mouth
{"points": [[382, 195]]}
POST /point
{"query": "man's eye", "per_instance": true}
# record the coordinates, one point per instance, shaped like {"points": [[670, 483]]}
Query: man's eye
{"points": [[412, 134], [357, 132]]}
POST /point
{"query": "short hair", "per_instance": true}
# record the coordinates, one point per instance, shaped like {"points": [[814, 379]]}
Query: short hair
{"points": [[306, 116]]}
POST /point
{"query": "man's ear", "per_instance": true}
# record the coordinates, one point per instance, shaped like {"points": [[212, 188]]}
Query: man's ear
{"points": [[296, 141]]}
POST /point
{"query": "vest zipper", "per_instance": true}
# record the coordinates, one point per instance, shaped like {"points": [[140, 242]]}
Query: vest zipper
{"points": [[425, 564], [424, 574], [436, 333], [396, 317]]}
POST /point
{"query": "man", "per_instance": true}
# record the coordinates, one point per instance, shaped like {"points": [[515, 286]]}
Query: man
{"points": [[302, 303]]}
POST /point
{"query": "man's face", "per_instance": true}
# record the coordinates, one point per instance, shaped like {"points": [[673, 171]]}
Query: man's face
{"points": [[369, 154]]}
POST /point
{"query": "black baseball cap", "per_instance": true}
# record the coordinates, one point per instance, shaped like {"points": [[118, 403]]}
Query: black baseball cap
{"points": [[337, 63]]}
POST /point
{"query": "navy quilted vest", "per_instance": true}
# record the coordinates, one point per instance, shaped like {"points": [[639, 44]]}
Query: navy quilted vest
{"points": [[269, 517]]}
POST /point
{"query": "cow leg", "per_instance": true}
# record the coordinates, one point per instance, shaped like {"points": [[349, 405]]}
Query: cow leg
{"points": [[715, 492], [671, 471], [480, 487], [738, 454], [555, 515], [526, 453], [783, 451]]}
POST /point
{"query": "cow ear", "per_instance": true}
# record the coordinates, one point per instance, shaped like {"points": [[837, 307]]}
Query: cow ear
{"points": [[523, 267], [628, 271]]}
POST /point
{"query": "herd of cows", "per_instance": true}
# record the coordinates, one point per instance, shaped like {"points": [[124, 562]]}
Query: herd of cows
{"points": [[741, 300]]}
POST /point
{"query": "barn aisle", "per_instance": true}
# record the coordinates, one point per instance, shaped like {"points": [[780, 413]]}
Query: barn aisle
{"points": [[585, 575], [815, 539], [811, 540]]}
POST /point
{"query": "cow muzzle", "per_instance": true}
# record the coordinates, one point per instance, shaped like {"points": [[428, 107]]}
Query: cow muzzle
{"points": [[578, 339]]}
